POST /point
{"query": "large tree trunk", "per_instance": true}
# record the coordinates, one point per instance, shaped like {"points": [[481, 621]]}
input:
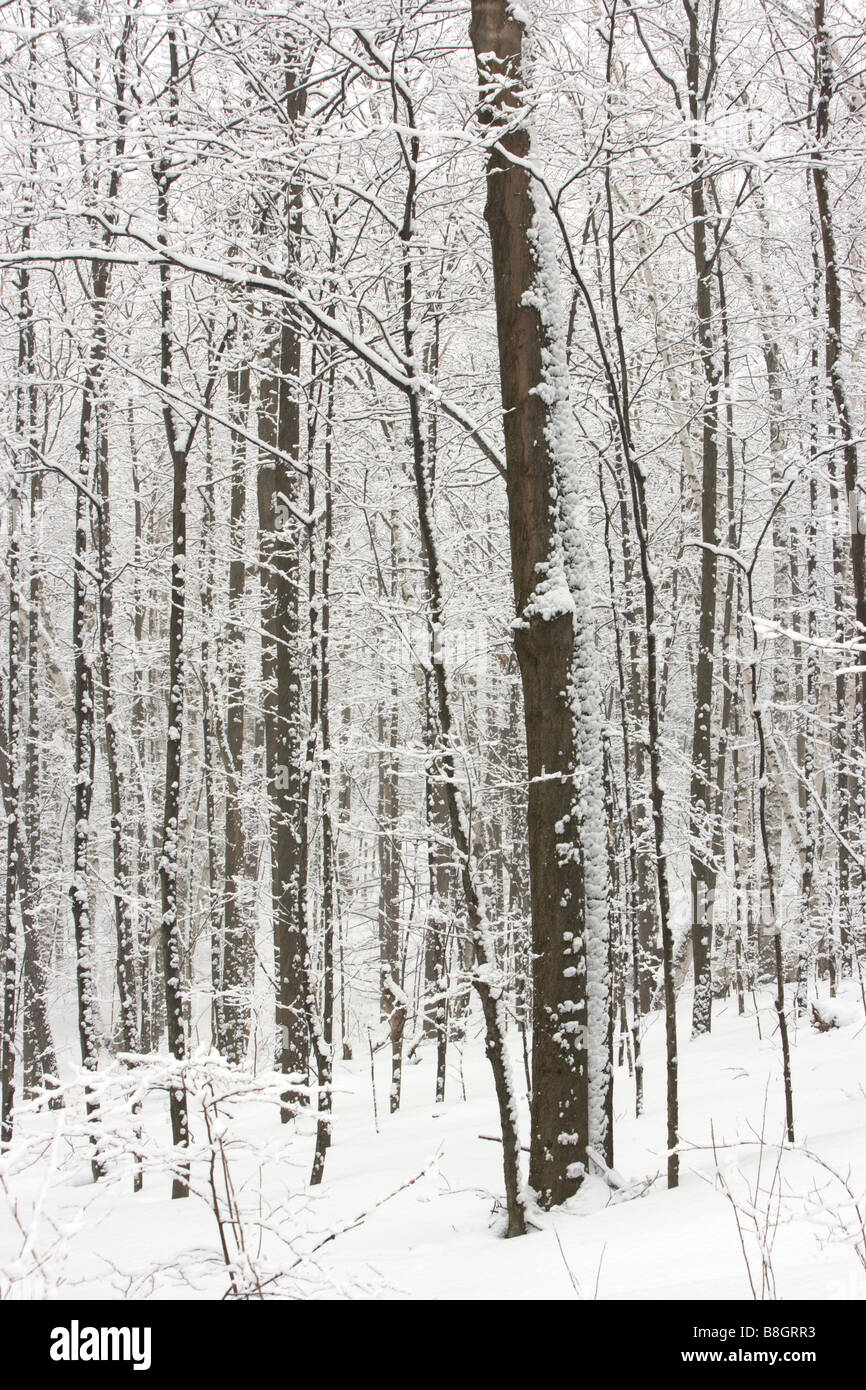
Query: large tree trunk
{"points": [[552, 646], [279, 552], [850, 788], [834, 364], [280, 539]]}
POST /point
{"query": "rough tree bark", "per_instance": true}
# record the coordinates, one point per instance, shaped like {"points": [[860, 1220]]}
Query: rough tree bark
{"points": [[570, 1056], [834, 365], [280, 538]]}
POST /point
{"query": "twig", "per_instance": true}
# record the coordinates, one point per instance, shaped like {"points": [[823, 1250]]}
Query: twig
{"points": [[497, 1139], [360, 1219], [373, 1080], [574, 1284], [598, 1271]]}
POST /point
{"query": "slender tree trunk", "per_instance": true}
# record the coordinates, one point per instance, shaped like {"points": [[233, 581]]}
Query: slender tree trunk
{"points": [[238, 944], [329, 866], [126, 971], [392, 1000], [85, 742], [485, 978], [438, 925], [628, 740], [141, 742], [13, 814], [210, 741], [726, 715], [763, 822], [44, 1053], [701, 791], [39, 1059], [171, 928], [15, 805], [319, 1030]]}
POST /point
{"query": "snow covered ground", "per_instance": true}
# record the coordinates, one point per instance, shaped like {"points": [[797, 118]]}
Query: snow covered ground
{"points": [[413, 1211]]}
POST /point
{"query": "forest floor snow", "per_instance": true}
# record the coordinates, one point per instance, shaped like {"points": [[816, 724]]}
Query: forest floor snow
{"points": [[410, 1206]]}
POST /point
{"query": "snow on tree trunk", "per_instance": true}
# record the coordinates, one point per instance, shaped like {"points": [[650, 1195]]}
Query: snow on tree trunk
{"points": [[586, 838], [553, 638]]}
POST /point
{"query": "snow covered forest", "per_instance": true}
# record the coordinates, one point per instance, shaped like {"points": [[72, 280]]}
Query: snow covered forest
{"points": [[433, 733]]}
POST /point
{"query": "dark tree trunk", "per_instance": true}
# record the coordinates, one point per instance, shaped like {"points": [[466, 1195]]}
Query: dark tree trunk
{"points": [[38, 1048], [171, 929], [85, 744], [545, 634], [329, 866], [701, 795], [392, 1001], [834, 364], [210, 741], [13, 815], [238, 944], [126, 972], [279, 554], [280, 539]]}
